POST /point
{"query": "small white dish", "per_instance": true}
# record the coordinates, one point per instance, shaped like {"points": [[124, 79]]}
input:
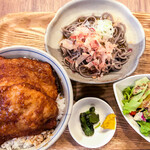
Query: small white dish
{"points": [[101, 136], [118, 87]]}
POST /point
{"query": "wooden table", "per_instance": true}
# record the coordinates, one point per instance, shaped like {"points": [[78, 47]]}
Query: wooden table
{"points": [[125, 137], [11, 6]]}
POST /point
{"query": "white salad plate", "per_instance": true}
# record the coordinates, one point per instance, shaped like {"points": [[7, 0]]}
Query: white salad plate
{"points": [[101, 136], [74, 9], [118, 87]]}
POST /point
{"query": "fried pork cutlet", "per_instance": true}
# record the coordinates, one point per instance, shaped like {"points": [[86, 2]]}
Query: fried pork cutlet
{"points": [[34, 72], [27, 98]]}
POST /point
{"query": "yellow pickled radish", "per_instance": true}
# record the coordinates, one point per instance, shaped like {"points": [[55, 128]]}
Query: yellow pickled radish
{"points": [[109, 122]]}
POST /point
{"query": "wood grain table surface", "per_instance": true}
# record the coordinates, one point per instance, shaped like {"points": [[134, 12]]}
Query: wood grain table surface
{"points": [[125, 137]]}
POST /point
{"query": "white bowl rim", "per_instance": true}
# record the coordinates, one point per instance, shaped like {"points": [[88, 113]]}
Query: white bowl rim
{"points": [[119, 105], [69, 92], [60, 11], [97, 99]]}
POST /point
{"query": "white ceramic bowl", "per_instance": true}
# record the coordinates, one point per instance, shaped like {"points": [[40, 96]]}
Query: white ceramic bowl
{"points": [[101, 136], [29, 52], [135, 35], [118, 87]]}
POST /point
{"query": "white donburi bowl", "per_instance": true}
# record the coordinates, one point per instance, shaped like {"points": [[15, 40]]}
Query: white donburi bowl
{"points": [[118, 87], [135, 35], [100, 136], [33, 53]]}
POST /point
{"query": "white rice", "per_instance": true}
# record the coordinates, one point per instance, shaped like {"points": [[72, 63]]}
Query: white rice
{"points": [[36, 140]]}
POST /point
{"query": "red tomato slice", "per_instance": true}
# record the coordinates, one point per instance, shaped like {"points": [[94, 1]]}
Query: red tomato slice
{"points": [[132, 113]]}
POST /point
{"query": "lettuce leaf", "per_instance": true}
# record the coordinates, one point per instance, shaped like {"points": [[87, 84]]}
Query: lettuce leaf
{"points": [[132, 102], [144, 127], [127, 92], [141, 81]]}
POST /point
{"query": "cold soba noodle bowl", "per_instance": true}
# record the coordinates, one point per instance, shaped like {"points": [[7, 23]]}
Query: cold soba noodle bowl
{"points": [[94, 46]]}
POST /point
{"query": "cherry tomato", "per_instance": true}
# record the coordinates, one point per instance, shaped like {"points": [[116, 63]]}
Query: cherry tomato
{"points": [[132, 113]]}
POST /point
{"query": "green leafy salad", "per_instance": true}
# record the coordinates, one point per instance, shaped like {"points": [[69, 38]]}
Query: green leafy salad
{"points": [[136, 102]]}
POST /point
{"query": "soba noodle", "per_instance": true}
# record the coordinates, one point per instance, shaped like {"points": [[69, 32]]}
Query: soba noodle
{"points": [[120, 53]]}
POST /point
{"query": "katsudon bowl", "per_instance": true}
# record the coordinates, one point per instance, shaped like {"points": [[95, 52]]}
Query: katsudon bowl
{"points": [[75, 9], [33, 53]]}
